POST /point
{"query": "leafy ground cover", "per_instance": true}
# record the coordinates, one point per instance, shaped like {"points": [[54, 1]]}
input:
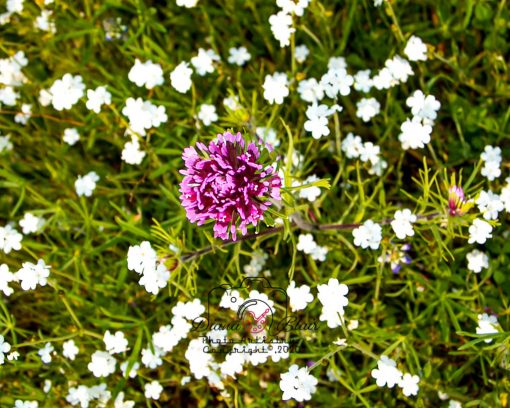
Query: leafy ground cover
{"points": [[379, 203]]}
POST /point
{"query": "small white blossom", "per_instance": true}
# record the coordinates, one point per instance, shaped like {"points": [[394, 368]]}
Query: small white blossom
{"points": [[86, 184], [203, 62], [115, 343], [409, 384], [276, 88], [180, 77], [479, 231], [102, 364], [367, 108], [333, 299], [69, 349], [207, 114], [146, 74], [386, 373], [30, 223], [487, 325], [299, 297], [415, 49], [45, 353], [281, 26], [298, 384], [238, 56], [477, 260], [98, 97], [10, 239], [414, 134], [489, 205], [153, 390], [368, 235], [301, 52], [71, 136], [402, 223], [5, 278], [31, 275]]}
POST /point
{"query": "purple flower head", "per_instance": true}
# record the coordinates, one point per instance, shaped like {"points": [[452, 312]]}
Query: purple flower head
{"points": [[225, 182], [457, 203]]}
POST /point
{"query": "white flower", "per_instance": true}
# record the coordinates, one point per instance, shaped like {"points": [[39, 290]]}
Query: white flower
{"points": [[45, 353], [120, 403], [15, 6], [10, 239], [5, 143], [491, 170], [47, 386], [299, 297], [352, 146], [203, 62], [131, 153], [477, 260], [187, 3], [489, 205], [238, 56], [479, 232], [155, 279], [310, 193], [268, 135], [115, 343], [399, 68], [337, 63], [8, 96], [4, 349], [44, 23], [505, 195], [306, 243], [65, 92], [310, 90], [414, 134], [5, 278], [415, 49], [424, 107], [32, 275], [80, 395], [298, 384], [233, 363], [86, 184], [10, 69], [71, 136], [25, 404], [369, 153], [133, 371], [153, 390], [368, 235], [152, 359], [207, 114], [143, 115], [180, 77], [232, 103], [281, 26], [141, 257], [409, 384], [491, 154], [25, 114], [487, 325], [30, 223], [337, 81], [402, 223], [276, 88], [146, 74], [386, 373], [102, 364], [301, 52], [333, 299], [362, 81], [231, 299], [383, 79], [454, 404], [166, 338], [69, 349], [296, 7], [319, 253], [317, 122], [367, 108], [98, 97]]}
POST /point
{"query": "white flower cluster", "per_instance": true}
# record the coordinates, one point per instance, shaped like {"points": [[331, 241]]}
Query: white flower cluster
{"points": [[491, 158], [317, 119], [489, 204], [415, 132], [367, 152], [143, 115], [402, 223], [143, 260], [297, 383], [147, 74], [307, 244], [333, 299], [368, 235], [203, 62], [64, 93], [29, 276], [387, 374], [281, 22], [256, 265], [83, 395], [11, 77]]}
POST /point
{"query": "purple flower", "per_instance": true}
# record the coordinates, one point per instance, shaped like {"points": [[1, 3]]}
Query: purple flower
{"points": [[457, 203], [224, 182]]}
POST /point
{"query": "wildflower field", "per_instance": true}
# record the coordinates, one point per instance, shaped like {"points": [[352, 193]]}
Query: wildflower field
{"points": [[246, 203]]}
